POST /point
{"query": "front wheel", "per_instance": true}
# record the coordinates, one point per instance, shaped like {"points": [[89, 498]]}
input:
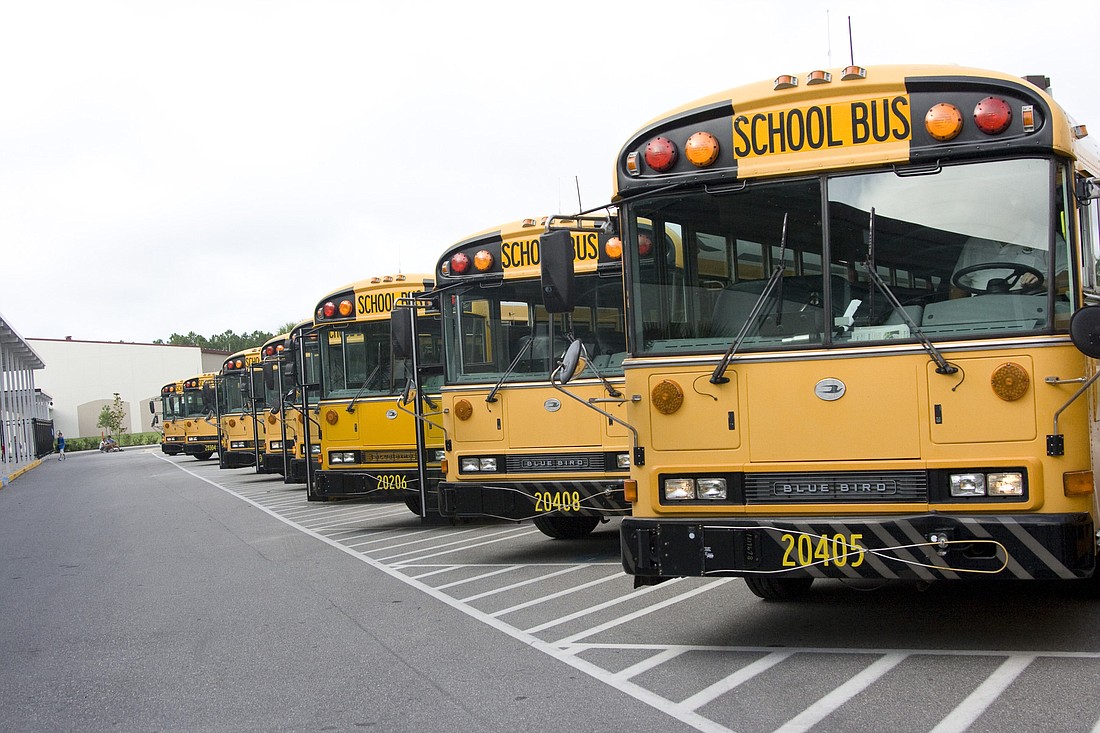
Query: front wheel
{"points": [[203, 456], [778, 589], [566, 528]]}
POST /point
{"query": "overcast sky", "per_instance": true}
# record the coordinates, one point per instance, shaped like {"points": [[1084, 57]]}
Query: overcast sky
{"points": [[202, 166]]}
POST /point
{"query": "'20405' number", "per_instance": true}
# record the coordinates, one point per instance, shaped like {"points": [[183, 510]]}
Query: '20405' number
{"points": [[560, 501], [804, 549]]}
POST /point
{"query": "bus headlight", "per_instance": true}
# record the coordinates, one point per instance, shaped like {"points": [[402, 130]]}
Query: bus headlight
{"points": [[1010, 483], [711, 488], [967, 484], [276, 445], [315, 449], [341, 456], [236, 444], [622, 460], [440, 455], [477, 464], [679, 489]]}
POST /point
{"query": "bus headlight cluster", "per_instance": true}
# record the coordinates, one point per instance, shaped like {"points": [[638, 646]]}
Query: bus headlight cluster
{"points": [[978, 483], [315, 449], [477, 464], [440, 455], [190, 438], [276, 445], [237, 444], [622, 460], [688, 489], [342, 456]]}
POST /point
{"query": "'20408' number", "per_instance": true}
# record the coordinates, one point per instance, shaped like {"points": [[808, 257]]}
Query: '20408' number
{"points": [[804, 549]]}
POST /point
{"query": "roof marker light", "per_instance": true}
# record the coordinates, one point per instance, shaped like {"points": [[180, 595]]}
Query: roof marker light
{"points": [[660, 154], [388, 279], [614, 248], [1027, 116], [701, 149], [528, 223], [459, 263], [818, 77], [632, 163], [852, 73], [944, 121], [992, 115], [483, 260], [1080, 131], [785, 81]]}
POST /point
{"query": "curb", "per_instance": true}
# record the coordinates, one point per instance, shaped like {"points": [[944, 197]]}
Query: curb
{"points": [[5, 480]]}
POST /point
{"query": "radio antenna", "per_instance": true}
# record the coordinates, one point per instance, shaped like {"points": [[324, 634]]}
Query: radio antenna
{"points": [[851, 49], [577, 180], [828, 40]]}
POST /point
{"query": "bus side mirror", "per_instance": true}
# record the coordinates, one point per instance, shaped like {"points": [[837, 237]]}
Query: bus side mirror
{"points": [[208, 397], [556, 262], [569, 361], [152, 407], [290, 370], [1088, 189], [269, 375], [402, 337], [1084, 330]]}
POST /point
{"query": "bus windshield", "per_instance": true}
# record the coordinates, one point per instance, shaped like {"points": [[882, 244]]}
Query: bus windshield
{"points": [[192, 403], [170, 407], [230, 397], [965, 249], [488, 329]]}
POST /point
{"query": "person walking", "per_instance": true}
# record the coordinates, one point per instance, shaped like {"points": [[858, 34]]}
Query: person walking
{"points": [[60, 446]]}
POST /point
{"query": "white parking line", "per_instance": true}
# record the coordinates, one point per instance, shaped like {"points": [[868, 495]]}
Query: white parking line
{"points": [[431, 538], [976, 702], [646, 664], [388, 536], [606, 604], [559, 594], [520, 584], [821, 709], [464, 547], [491, 573], [644, 611]]}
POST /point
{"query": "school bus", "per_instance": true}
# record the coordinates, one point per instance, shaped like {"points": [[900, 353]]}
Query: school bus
{"points": [[299, 357], [518, 448], [850, 297], [239, 432], [172, 435], [200, 428], [269, 409], [368, 447]]}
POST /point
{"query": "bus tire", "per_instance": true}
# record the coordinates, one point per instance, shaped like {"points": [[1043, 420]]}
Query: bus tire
{"points": [[203, 456], [778, 589], [566, 528], [413, 503]]}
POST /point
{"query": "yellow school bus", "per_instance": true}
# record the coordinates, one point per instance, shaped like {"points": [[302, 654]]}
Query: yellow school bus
{"points": [[269, 409], [300, 363], [519, 448], [850, 297], [171, 410], [239, 432], [367, 445], [199, 426]]}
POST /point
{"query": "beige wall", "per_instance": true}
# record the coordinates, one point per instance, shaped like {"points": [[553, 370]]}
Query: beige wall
{"points": [[81, 376]]}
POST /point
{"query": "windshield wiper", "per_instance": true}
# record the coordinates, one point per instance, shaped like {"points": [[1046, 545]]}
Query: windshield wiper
{"points": [[366, 382], [942, 365], [511, 367], [718, 377]]}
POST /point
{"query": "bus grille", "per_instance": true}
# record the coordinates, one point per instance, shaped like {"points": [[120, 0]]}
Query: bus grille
{"points": [[560, 462], [861, 487]]}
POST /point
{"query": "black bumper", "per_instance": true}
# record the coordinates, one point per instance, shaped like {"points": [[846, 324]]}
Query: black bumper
{"points": [[239, 459], [171, 449], [527, 500], [917, 547], [198, 449], [388, 484]]}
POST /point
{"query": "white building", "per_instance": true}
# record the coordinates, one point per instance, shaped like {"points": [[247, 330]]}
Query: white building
{"points": [[83, 376]]}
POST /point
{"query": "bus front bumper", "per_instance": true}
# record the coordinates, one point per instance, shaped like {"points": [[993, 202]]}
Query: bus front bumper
{"points": [[388, 484], [914, 547], [198, 449], [518, 501], [171, 449]]}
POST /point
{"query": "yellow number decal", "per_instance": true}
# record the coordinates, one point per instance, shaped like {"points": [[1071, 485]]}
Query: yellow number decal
{"points": [[392, 481], [801, 550], [557, 501], [788, 539]]}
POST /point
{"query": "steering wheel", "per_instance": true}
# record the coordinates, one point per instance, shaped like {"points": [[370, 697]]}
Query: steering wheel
{"points": [[1017, 269]]}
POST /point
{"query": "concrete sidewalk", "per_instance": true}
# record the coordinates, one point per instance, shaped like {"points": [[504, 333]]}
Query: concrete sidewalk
{"points": [[6, 478]]}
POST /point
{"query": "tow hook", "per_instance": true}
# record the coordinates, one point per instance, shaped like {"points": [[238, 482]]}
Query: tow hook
{"points": [[941, 541]]}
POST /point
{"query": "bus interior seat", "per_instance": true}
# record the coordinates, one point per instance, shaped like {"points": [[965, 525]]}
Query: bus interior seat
{"points": [[801, 308]]}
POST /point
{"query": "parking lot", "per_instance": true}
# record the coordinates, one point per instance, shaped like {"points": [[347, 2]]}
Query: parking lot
{"points": [[706, 652]]}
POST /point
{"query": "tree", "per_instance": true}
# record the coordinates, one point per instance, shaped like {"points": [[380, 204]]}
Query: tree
{"points": [[111, 418], [226, 341]]}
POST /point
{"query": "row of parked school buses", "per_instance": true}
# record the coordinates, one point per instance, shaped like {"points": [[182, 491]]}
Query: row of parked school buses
{"points": [[834, 325]]}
